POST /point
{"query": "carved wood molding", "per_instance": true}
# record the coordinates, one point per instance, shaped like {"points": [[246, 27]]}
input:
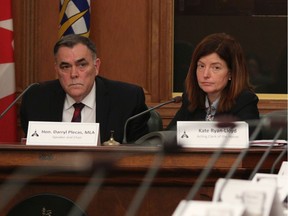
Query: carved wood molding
{"points": [[160, 61], [25, 31], [35, 32], [35, 24]]}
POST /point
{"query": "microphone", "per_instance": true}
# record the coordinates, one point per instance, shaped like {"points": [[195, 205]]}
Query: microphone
{"points": [[265, 155], [161, 137], [213, 159], [222, 122], [273, 121], [69, 162], [146, 183], [80, 162], [259, 125], [278, 120], [89, 191], [20, 95], [176, 99]]}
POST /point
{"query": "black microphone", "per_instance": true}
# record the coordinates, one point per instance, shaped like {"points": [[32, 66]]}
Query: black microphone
{"points": [[20, 95], [176, 99]]}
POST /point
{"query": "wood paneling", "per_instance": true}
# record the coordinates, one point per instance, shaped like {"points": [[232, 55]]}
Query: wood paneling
{"points": [[130, 35], [121, 32], [134, 40], [71, 172], [131, 40], [35, 32]]}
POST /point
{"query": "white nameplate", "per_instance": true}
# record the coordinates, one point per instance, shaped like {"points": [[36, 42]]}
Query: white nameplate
{"points": [[283, 169], [207, 134], [63, 134], [206, 208], [280, 180], [258, 198]]}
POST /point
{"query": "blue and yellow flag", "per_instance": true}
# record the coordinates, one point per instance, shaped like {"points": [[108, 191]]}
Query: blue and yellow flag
{"points": [[74, 17]]}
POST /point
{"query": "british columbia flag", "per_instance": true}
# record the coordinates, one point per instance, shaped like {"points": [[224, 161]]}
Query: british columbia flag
{"points": [[74, 17]]}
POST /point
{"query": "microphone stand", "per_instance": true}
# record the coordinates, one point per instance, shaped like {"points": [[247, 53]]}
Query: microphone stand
{"points": [[278, 159], [173, 100], [205, 172], [8, 189], [20, 95], [264, 156], [166, 142], [147, 181], [243, 153], [89, 191]]}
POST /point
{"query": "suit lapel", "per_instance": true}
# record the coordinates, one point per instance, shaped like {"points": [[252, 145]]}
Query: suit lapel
{"points": [[102, 104], [59, 103]]}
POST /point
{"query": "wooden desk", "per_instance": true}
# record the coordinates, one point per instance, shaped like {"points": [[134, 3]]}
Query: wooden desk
{"points": [[65, 171]]}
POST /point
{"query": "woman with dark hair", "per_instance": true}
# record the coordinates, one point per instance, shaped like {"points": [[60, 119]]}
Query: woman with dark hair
{"points": [[217, 83]]}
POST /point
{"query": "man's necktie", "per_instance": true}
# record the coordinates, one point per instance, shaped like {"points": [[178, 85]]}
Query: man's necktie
{"points": [[77, 112]]}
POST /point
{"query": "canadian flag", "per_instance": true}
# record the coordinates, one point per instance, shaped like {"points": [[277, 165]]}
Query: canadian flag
{"points": [[8, 122]]}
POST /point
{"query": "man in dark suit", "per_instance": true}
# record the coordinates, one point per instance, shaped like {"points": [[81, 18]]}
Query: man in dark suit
{"points": [[109, 103]]}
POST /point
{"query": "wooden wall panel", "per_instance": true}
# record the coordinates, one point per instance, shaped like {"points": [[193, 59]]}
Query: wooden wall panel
{"points": [[134, 40], [130, 36], [35, 32], [120, 30]]}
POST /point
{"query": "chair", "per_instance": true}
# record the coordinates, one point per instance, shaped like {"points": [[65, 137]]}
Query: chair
{"points": [[278, 119], [155, 122]]}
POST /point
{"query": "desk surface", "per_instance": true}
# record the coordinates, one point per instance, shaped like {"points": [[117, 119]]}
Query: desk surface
{"points": [[128, 156]]}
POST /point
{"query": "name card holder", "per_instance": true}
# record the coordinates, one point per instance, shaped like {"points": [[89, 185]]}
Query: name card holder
{"points": [[279, 180], [206, 208], [283, 169], [63, 134], [207, 134], [258, 199]]}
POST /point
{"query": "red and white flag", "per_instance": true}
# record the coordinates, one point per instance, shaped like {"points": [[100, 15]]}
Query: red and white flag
{"points": [[8, 123]]}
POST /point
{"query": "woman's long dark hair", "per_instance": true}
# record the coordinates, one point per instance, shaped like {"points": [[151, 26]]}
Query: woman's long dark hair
{"points": [[231, 52]]}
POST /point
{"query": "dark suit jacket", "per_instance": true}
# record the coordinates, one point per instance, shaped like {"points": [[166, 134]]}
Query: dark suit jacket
{"points": [[245, 108], [115, 103]]}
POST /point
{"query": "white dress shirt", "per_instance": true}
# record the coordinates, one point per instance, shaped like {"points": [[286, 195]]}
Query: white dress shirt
{"points": [[88, 113]]}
